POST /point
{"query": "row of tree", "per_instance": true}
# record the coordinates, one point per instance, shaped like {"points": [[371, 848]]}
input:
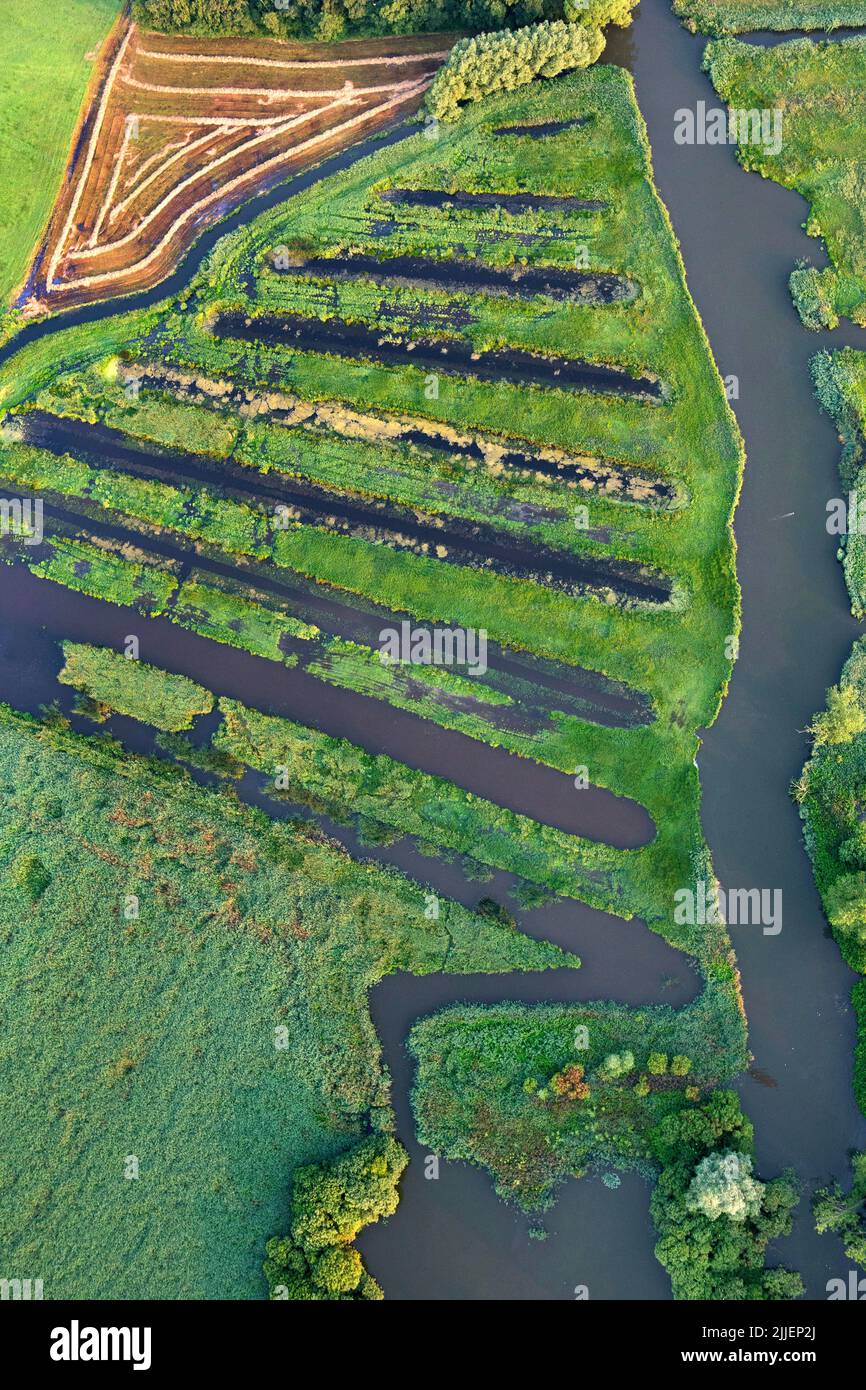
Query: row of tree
{"points": [[714, 1218], [500, 62], [332, 19]]}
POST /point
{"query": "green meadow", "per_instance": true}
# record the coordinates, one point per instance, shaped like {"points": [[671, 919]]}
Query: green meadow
{"points": [[184, 1009], [48, 54]]}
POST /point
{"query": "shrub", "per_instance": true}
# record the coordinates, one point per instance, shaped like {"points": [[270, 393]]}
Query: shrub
{"points": [[852, 851], [168, 701], [338, 1270], [599, 12], [714, 1219], [617, 1064], [501, 61], [811, 291], [845, 905], [31, 875], [569, 1084], [842, 720], [331, 1203], [723, 1186], [845, 1213]]}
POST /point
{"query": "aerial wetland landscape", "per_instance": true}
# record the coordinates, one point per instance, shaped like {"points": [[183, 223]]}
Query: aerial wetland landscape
{"points": [[432, 660]]}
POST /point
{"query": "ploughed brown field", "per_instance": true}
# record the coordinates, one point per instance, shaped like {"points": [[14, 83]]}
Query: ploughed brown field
{"points": [[179, 131]]}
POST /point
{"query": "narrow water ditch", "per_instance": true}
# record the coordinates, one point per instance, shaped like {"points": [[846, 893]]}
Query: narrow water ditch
{"points": [[527, 788], [451, 356], [539, 687], [457, 540], [462, 201], [467, 276]]}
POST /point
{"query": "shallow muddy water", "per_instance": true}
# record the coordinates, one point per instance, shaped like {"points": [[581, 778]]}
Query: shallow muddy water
{"points": [[471, 202], [467, 276]]}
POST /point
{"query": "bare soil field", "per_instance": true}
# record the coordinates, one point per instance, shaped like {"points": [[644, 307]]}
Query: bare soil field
{"points": [[178, 132]]}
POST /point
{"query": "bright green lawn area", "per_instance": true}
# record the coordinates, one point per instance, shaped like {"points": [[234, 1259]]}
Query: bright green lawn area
{"points": [[155, 1037], [819, 87], [43, 77]]}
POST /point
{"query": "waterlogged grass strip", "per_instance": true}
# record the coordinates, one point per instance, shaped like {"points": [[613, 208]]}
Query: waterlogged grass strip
{"points": [[123, 684], [338, 776]]}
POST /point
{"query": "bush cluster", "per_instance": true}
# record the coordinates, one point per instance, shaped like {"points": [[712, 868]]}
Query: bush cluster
{"points": [[714, 1219], [331, 1203], [500, 62]]}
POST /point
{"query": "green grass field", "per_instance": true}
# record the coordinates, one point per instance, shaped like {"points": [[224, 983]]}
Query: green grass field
{"points": [[748, 16], [679, 653], [43, 78], [184, 985]]}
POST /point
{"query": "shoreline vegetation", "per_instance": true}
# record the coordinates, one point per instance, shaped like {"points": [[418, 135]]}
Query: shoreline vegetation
{"points": [[193, 931], [829, 794], [817, 87], [721, 17], [839, 379]]}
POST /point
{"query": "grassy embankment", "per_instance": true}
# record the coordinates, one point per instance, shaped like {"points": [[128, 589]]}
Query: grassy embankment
{"points": [[830, 792], [818, 87], [47, 63], [748, 16], [840, 385], [184, 984]]}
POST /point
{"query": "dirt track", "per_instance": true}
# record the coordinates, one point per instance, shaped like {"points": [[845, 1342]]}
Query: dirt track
{"points": [[179, 132]]}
